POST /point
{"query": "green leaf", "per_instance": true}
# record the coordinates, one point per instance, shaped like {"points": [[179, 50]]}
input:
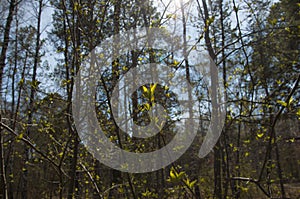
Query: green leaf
{"points": [[246, 141], [75, 6], [291, 100], [259, 135], [152, 88], [192, 184], [292, 140], [20, 136], [147, 106], [175, 176], [145, 89], [172, 174], [298, 113], [60, 154], [189, 183], [283, 103], [180, 175], [245, 189], [21, 82], [175, 63]]}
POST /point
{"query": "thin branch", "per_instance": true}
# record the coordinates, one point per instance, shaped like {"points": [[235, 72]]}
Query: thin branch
{"points": [[29, 143], [92, 180], [253, 181]]}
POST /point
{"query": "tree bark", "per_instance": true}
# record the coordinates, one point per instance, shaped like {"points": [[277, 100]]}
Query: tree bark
{"points": [[5, 42], [33, 89]]}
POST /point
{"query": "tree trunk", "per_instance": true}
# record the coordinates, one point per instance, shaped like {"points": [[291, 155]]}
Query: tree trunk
{"points": [[5, 42], [33, 89]]}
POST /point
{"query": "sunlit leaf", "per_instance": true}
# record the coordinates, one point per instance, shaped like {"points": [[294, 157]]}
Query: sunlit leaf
{"points": [[283, 103]]}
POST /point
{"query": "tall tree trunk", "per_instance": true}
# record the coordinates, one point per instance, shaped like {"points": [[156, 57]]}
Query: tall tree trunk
{"points": [[217, 149], [33, 89], [116, 175], [5, 42], [76, 40], [14, 106], [226, 158], [3, 184], [187, 74]]}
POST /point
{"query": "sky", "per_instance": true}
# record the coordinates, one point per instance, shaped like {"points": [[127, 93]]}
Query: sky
{"points": [[175, 23]]}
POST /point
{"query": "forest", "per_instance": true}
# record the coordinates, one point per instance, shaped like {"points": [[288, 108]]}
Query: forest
{"points": [[211, 86]]}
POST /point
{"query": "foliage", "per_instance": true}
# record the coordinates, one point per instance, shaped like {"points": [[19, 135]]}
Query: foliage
{"points": [[255, 45]]}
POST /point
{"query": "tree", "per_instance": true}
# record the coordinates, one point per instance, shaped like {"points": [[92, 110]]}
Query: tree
{"points": [[255, 46]]}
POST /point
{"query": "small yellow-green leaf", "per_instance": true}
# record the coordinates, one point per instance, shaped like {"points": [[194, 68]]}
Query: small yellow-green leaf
{"points": [[192, 184], [21, 82], [172, 175], [281, 102], [145, 89], [279, 82], [259, 135], [75, 6], [60, 154], [245, 189], [291, 100], [246, 141], [175, 63], [180, 175], [292, 140], [152, 98], [20, 136], [298, 113], [152, 88], [147, 106]]}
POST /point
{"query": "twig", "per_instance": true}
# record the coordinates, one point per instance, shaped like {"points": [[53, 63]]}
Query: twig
{"points": [[253, 181]]}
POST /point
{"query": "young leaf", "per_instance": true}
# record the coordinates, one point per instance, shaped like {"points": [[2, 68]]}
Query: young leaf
{"points": [[172, 175], [145, 89], [192, 184], [152, 88], [281, 102], [259, 135]]}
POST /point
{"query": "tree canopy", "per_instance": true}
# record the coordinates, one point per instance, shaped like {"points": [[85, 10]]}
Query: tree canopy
{"points": [[47, 45]]}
